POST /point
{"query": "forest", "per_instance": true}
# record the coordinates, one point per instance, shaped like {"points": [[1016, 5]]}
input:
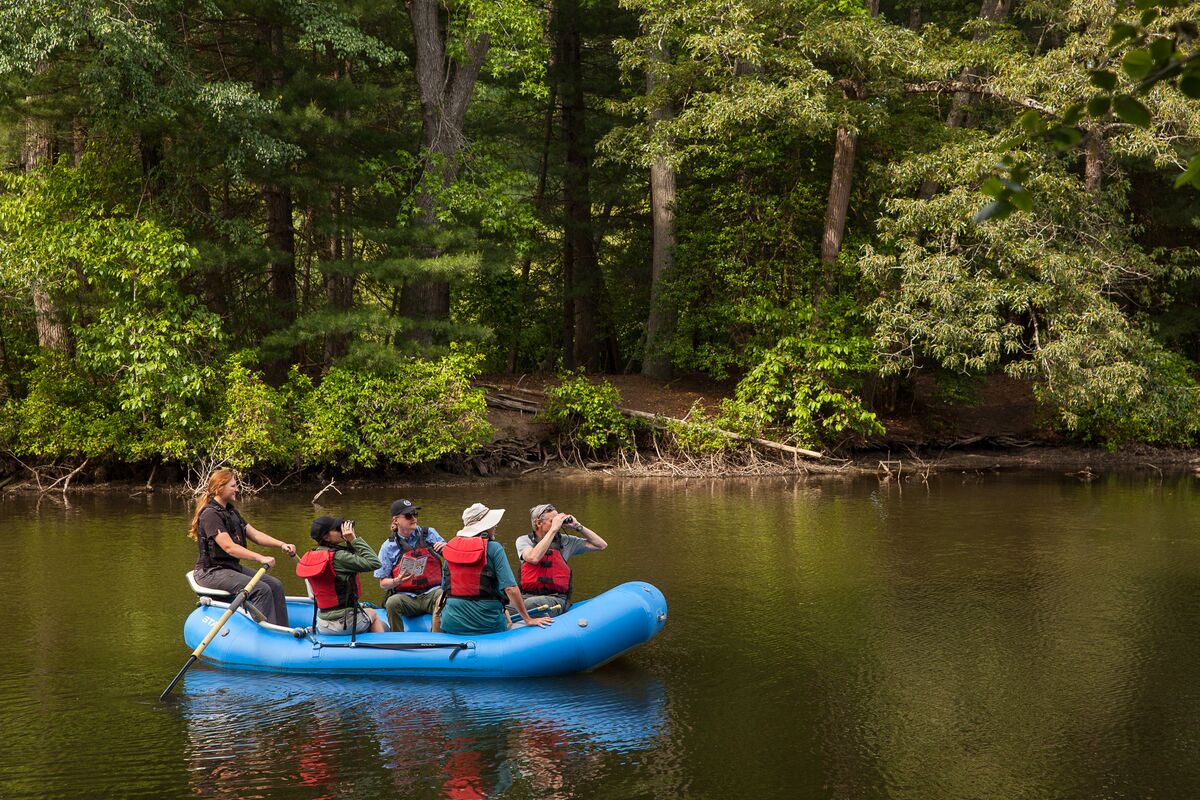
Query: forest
{"points": [[294, 233]]}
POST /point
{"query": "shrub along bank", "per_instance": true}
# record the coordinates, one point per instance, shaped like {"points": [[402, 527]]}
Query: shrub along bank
{"points": [[351, 420]]}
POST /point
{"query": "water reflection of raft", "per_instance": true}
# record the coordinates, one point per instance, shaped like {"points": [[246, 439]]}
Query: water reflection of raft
{"points": [[593, 632], [622, 712]]}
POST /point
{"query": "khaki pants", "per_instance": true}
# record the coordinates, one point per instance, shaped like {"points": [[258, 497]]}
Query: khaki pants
{"points": [[345, 623], [400, 605], [534, 601]]}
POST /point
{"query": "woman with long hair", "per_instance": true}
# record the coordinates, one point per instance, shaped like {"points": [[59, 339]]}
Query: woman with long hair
{"points": [[221, 534]]}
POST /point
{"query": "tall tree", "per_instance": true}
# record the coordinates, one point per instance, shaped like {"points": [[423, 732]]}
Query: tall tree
{"points": [[581, 272], [656, 362], [446, 82]]}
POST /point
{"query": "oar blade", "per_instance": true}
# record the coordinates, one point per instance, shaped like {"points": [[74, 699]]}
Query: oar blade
{"points": [[191, 660]]}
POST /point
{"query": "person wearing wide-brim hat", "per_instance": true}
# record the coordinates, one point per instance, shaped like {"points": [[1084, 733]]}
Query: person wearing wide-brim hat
{"points": [[477, 580]]}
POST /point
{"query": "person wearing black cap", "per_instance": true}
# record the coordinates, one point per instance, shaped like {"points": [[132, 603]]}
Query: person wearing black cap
{"points": [[331, 569], [410, 569]]}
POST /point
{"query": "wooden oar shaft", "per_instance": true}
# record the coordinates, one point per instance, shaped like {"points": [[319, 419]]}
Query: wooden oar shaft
{"points": [[242, 594]]}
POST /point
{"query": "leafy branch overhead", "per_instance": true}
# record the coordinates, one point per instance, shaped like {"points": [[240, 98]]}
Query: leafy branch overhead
{"points": [[1154, 51]]}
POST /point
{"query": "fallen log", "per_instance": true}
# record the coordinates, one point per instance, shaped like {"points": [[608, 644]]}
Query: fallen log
{"points": [[503, 400], [659, 421]]}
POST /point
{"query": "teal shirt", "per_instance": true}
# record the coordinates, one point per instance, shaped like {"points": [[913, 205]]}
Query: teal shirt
{"points": [[348, 562], [464, 616]]}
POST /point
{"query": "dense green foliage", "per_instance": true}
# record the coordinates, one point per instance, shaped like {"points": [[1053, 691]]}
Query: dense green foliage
{"points": [[257, 234], [589, 413]]}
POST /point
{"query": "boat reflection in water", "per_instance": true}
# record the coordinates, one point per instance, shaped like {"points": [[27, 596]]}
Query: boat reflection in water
{"points": [[454, 739]]}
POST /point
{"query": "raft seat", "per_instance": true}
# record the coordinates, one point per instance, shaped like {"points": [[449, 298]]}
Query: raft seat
{"points": [[204, 591], [207, 596]]}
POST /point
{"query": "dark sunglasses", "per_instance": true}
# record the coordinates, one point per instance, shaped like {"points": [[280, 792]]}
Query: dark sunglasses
{"points": [[410, 515]]}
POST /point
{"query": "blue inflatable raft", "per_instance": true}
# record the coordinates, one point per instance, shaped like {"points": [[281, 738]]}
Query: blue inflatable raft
{"points": [[592, 633]]}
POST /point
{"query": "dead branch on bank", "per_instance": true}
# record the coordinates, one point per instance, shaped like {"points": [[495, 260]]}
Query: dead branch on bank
{"points": [[66, 479], [55, 473], [328, 486]]}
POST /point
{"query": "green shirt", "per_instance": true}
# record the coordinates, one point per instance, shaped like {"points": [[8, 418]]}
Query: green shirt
{"points": [[348, 562], [463, 616]]}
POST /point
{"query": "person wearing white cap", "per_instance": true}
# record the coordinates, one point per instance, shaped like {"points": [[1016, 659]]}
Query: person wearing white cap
{"points": [[477, 579], [546, 578]]}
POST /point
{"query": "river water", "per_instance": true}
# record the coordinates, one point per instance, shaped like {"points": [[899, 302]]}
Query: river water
{"points": [[976, 637]]}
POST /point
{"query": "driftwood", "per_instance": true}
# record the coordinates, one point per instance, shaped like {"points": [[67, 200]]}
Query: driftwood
{"points": [[328, 486], [512, 453]]}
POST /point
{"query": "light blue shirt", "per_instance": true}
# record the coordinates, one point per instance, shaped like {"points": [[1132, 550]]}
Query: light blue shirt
{"points": [[389, 553]]}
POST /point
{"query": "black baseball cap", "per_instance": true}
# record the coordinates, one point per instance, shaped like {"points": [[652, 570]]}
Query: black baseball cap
{"points": [[402, 507], [322, 526]]}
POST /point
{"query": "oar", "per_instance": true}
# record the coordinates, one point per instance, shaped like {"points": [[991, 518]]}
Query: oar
{"points": [[229, 612]]}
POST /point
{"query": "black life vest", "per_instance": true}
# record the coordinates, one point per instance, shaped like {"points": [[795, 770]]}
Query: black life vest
{"points": [[211, 553], [427, 560], [468, 575], [550, 575], [331, 589]]}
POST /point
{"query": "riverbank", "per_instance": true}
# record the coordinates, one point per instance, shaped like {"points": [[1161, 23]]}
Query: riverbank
{"points": [[1000, 430], [908, 466]]}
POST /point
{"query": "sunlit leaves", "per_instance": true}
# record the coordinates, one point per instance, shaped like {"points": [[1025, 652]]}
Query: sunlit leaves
{"points": [[1155, 50]]}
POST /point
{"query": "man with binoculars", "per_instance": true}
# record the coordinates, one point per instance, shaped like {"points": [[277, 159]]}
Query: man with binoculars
{"points": [[545, 579]]}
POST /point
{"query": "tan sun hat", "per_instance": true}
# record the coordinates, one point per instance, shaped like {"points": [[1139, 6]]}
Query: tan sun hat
{"points": [[479, 518]]}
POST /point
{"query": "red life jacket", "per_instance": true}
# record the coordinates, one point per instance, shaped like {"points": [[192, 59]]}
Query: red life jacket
{"points": [[550, 575], [331, 590], [430, 576], [470, 576]]}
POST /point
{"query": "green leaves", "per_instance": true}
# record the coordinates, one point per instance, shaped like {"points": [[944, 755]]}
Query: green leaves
{"points": [[1137, 64], [1008, 193], [1103, 79], [1132, 111], [805, 386], [410, 415], [1190, 176], [1189, 84], [587, 413]]}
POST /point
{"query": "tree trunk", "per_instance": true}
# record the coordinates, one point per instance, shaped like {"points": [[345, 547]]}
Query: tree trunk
{"points": [[838, 205], [914, 17], [568, 307], [445, 87], [539, 198], [581, 295], [37, 151], [339, 283], [150, 149], [660, 324], [281, 231], [78, 141], [1093, 159]]}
